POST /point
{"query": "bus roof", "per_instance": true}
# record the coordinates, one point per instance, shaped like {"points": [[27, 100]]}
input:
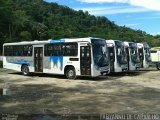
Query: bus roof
{"points": [[36, 42], [113, 40], [26, 42]]}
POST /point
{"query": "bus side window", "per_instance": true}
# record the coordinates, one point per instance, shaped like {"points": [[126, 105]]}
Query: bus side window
{"points": [[74, 49], [68, 50], [46, 50], [8, 50], [50, 50], [57, 49], [63, 50], [18, 50], [27, 50], [71, 49]]}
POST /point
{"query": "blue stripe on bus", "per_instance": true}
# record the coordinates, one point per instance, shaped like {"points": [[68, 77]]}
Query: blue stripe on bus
{"points": [[20, 63], [56, 41], [55, 60]]}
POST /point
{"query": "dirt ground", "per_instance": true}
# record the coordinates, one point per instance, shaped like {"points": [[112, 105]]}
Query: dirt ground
{"points": [[135, 92]]}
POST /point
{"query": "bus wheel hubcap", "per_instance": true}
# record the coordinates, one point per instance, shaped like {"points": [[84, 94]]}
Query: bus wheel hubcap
{"points": [[70, 73], [25, 70]]}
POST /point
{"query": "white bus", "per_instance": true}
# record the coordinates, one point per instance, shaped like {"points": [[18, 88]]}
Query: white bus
{"points": [[72, 57], [144, 55], [118, 57], [132, 55], [155, 56]]}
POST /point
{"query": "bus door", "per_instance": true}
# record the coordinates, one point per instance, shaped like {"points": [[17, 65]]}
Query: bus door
{"points": [[141, 56], [112, 58], [85, 60], [128, 56], [38, 59]]}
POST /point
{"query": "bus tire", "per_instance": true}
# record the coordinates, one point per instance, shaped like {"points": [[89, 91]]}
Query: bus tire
{"points": [[158, 66], [25, 70], [70, 73]]}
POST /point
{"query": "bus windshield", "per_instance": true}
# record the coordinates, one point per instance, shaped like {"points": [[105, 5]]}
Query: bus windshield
{"points": [[147, 54], [121, 53], [100, 53], [134, 53]]}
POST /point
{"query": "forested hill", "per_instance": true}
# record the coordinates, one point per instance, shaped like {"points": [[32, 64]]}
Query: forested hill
{"points": [[27, 20]]}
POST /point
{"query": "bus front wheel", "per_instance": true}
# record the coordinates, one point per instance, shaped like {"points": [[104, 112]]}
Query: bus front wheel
{"points": [[71, 73], [25, 70]]}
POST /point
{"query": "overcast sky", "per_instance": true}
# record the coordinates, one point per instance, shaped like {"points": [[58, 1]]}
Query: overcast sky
{"points": [[136, 14]]}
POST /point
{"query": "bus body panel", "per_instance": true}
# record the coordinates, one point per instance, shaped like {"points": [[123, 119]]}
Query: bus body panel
{"points": [[57, 64], [17, 62]]}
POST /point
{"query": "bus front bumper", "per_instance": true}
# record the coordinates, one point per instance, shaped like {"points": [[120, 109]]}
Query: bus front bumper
{"points": [[105, 70], [124, 67]]}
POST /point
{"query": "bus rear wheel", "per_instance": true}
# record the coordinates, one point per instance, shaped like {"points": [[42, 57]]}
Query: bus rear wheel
{"points": [[25, 70], [70, 73]]}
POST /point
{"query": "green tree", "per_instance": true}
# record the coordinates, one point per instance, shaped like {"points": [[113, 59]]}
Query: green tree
{"points": [[25, 36], [37, 19]]}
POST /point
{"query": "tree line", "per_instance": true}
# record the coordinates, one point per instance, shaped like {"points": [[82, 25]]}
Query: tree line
{"points": [[28, 20]]}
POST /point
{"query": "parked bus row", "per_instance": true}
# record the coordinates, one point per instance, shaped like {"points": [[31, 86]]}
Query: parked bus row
{"points": [[75, 57], [128, 56]]}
